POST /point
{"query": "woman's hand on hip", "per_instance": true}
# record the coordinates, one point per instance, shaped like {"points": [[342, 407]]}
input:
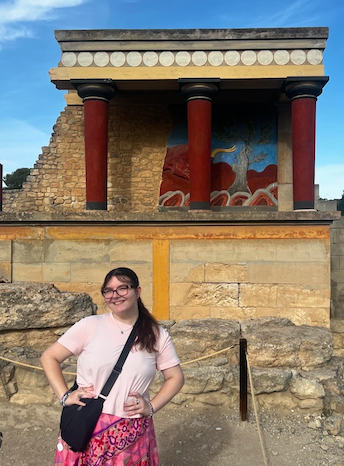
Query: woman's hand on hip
{"points": [[136, 404], [75, 396]]}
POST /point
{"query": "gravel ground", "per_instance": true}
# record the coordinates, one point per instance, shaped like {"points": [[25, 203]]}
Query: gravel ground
{"points": [[202, 436]]}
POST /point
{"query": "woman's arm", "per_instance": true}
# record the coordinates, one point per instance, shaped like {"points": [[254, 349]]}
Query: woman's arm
{"points": [[174, 380], [51, 360]]}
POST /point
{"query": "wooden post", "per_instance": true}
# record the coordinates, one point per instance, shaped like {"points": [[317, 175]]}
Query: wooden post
{"points": [[243, 379]]}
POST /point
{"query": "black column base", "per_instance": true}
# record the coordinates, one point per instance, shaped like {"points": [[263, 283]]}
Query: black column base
{"points": [[298, 205], [200, 205], [96, 205]]}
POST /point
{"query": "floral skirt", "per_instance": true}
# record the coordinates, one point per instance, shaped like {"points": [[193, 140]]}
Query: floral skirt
{"points": [[115, 442]]}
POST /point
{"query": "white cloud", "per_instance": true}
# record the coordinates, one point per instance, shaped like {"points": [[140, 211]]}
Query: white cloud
{"points": [[331, 180], [21, 143], [15, 12]]}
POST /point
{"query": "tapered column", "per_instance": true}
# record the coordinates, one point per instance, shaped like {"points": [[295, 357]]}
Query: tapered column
{"points": [[303, 93], [96, 96], [199, 108]]}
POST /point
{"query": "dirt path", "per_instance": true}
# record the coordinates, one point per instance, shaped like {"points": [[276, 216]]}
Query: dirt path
{"points": [[205, 436]]}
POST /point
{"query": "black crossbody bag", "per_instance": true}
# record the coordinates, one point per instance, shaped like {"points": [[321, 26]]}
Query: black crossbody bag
{"points": [[78, 422]]}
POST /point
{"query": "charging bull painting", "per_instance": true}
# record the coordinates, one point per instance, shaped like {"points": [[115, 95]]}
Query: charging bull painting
{"points": [[243, 159]]}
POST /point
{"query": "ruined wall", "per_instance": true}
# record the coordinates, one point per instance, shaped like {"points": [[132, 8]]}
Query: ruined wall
{"points": [[186, 271], [136, 150]]}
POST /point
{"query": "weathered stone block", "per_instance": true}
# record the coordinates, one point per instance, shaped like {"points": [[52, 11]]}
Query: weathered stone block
{"points": [[307, 273], [304, 250], [203, 380], [58, 272], [214, 295], [6, 271], [92, 273], [27, 272], [202, 250], [24, 306], [189, 312], [225, 273], [275, 342], [5, 251], [195, 338], [76, 251], [186, 272], [37, 340], [269, 380], [135, 251], [28, 251], [232, 313], [257, 295], [297, 296], [306, 388]]}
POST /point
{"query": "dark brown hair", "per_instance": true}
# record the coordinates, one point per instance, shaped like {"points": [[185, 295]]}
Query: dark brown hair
{"points": [[148, 327]]}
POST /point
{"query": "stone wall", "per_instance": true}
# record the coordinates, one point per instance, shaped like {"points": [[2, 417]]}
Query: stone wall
{"points": [[186, 271], [337, 268], [292, 366], [136, 151]]}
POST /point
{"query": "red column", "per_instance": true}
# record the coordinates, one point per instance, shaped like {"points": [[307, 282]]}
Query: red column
{"points": [[199, 135], [1, 187], [96, 96], [303, 94], [96, 142], [199, 107]]}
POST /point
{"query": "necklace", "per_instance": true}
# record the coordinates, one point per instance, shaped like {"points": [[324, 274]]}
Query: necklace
{"points": [[122, 331]]}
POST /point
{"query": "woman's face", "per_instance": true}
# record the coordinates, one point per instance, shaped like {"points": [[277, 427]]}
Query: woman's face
{"points": [[122, 305]]}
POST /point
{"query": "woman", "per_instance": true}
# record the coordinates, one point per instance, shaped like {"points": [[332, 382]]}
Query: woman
{"points": [[124, 434]]}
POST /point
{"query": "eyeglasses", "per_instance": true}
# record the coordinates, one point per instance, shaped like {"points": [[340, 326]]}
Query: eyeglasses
{"points": [[121, 291]]}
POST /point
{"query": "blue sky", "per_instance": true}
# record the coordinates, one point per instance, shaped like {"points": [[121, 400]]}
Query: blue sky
{"points": [[30, 104]]}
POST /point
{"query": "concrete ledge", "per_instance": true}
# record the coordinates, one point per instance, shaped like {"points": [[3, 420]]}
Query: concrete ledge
{"points": [[224, 218]]}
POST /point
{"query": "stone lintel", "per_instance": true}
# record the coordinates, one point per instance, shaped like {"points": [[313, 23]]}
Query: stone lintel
{"points": [[190, 34], [191, 218]]}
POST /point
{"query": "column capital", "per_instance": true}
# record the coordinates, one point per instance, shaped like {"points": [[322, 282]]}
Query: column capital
{"points": [[95, 89], [199, 89], [301, 87]]}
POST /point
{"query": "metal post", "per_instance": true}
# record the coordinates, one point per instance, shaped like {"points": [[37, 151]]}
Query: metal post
{"points": [[243, 379]]}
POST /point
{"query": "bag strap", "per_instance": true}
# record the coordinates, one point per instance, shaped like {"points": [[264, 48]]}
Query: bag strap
{"points": [[119, 364]]}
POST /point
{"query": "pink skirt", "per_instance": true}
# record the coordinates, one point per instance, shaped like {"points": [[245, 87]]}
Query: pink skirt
{"points": [[115, 442]]}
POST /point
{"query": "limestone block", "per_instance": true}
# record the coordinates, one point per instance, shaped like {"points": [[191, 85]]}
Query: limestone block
{"points": [[5, 271], [5, 251], [306, 388], [305, 316], [36, 305], [232, 313], [285, 206], [307, 273], [189, 312], [27, 272], [202, 380], [257, 295], [76, 251], [195, 338], [278, 401], [254, 250], [276, 342], [179, 293], [298, 296], [269, 380], [214, 399], [186, 272], [57, 272], [311, 404], [302, 250], [33, 396], [92, 273], [27, 378], [92, 289], [335, 262], [143, 270], [215, 295], [225, 273], [136, 251], [202, 250], [38, 340], [28, 251], [337, 340]]}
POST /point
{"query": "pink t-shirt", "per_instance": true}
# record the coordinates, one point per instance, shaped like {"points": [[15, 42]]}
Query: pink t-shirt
{"points": [[98, 342]]}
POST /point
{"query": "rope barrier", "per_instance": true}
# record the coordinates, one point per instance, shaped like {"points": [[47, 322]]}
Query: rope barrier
{"points": [[255, 410], [30, 366]]}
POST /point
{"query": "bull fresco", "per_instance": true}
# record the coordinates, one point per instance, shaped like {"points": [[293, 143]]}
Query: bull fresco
{"points": [[243, 159]]}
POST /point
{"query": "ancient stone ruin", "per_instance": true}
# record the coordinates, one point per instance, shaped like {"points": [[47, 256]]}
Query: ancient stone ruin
{"points": [[293, 366]]}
